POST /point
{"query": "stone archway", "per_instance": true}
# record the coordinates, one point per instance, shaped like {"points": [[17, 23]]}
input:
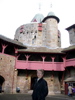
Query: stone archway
{"points": [[1, 81]]}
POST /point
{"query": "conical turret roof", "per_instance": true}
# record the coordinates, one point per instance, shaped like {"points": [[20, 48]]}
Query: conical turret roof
{"points": [[38, 18], [51, 15]]}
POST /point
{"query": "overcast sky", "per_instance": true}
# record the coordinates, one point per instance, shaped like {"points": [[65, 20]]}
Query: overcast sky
{"points": [[14, 13]]}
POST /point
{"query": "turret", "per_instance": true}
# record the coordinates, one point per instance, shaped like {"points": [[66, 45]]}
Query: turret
{"points": [[52, 30], [71, 30]]}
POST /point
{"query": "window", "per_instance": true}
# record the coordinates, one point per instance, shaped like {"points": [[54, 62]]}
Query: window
{"points": [[31, 31], [34, 37], [35, 31], [27, 32]]}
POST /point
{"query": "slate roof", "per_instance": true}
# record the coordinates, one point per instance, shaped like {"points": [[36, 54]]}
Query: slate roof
{"points": [[70, 79], [41, 50], [72, 47], [70, 27], [51, 15], [11, 41], [37, 49]]}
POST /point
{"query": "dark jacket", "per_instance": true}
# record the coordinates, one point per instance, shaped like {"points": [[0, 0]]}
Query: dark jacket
{"points": [[40, 90]]}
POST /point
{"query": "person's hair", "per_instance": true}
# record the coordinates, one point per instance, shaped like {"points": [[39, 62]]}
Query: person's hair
{"points": [[41, 70]]}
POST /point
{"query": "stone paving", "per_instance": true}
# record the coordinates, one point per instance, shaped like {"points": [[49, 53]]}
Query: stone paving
{"points": [[28, 97]]}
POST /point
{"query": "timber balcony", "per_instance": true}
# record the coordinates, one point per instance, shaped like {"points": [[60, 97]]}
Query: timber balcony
{"points": [[34, 65], [70, 62]]}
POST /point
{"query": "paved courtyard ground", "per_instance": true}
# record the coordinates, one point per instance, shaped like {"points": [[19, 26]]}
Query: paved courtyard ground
{"points": [[28, 97]]}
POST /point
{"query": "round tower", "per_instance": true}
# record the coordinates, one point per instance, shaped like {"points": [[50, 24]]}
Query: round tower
{"points": [[31, 33], [38, 18], [52, 30]]}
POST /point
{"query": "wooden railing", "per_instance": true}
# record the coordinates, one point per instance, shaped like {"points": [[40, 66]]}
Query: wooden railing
{"points": [[34, 65], [70, 62]]}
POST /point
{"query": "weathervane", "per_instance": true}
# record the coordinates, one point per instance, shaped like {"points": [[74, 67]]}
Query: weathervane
{"points": [[51, 5], [39, 6]]}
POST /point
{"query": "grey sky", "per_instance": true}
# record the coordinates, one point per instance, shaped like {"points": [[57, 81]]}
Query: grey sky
{"points": [[14, 13]]}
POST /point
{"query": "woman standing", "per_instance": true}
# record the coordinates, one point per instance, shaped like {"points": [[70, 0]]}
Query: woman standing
{"points": [[70, 90], [40, 90]]}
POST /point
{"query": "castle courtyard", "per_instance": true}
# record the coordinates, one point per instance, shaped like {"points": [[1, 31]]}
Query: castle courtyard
{"points": [[28, 97]]}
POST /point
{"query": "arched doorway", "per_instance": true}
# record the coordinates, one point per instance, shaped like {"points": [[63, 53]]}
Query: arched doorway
{"points": [[1, 83]]}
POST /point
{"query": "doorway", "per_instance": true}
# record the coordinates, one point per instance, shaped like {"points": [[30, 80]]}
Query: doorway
{"points": [[33, 79], [1, 83]]}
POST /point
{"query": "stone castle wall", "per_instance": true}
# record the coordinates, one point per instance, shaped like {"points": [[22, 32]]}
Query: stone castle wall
{"points": [[72, 36], [23, 83], [53, 82], [27, 34], [35, 35], [52, 33], [7, 64], [13, 80]]}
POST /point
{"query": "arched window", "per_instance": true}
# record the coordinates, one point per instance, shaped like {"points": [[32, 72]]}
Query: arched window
{"points": [[35, 57], [48, 59], [9, 50], [33, 40], [22, 57]]}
